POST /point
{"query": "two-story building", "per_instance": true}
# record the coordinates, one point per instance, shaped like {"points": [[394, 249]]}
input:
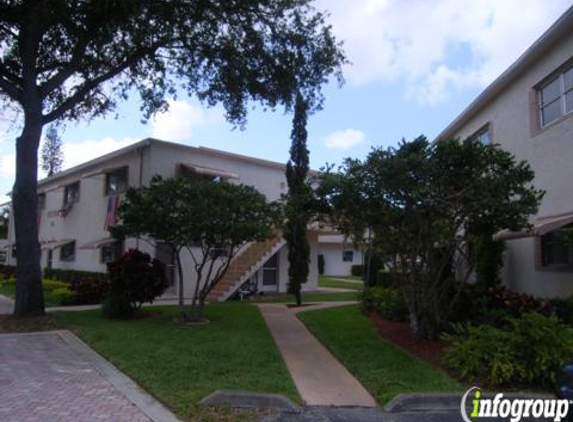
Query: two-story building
{"points": [[528, 111], [77, 206]]}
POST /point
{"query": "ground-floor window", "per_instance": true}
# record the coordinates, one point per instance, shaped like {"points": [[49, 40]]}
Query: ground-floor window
{"points": [[109, 253], [557, 248], [347, 255], [68, 252]]}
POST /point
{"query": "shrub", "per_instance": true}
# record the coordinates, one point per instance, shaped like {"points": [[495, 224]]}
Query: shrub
{"points": [[9, 280], [8, 271], [388, 303], [488, 260], [117, 308], [321, 264], [529, 351], [89, 291], [357, 270], [135, 278], [51, 285], [69, 276], [389, 279], [563, 309], [64, 296]]}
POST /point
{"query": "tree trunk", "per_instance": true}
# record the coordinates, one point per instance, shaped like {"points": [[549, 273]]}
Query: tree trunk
{"points": [[29, 296]]}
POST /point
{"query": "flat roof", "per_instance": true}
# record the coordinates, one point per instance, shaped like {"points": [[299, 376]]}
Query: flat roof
{"points": [[152, 141]]}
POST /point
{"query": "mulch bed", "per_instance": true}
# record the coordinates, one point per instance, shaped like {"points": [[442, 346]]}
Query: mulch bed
{"points": [[400, 334]]}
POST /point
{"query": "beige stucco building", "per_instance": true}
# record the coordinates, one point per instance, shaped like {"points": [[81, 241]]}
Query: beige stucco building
{"points": [[77, 205], [528, 111]]}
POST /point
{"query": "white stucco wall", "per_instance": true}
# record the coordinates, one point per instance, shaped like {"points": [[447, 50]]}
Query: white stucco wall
{"points": [[550, 153], [333, 263]]}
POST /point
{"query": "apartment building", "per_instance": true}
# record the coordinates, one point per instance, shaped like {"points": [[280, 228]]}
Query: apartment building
{"points": [[339, 254], [77, 206], [528, 111]]}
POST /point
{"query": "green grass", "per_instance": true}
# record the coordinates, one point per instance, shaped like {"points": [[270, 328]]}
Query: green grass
{"points": [[180, 364], [10, 291], [310, 297], [384, 369], [325, 281]]}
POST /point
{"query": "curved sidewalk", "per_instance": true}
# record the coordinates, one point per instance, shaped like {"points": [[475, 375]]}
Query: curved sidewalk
{"points": [[320, 379]]}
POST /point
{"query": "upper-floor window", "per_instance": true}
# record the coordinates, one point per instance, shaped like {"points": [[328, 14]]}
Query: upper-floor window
{"points": [[556, 97], [41, 201], [72, 193], [116, 181], [483, 135], [68, 252], [557, 248]]}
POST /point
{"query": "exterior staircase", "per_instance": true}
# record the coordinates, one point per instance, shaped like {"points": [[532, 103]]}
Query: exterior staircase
{"points": [[249, 260]]}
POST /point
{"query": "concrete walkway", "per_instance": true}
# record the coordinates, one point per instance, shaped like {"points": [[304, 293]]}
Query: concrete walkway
{"points": [[6, 305], [54, 376], [320, 379]]}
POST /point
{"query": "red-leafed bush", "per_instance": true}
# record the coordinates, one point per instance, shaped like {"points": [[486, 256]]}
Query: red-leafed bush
{"points": [[516, 303], [135, 279], [89, 291]]}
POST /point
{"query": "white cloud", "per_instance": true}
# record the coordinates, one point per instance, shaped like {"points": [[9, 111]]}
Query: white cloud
{"points": [[344, 139], [80, 152], [8, 165], [437, 46], [178, 123]]}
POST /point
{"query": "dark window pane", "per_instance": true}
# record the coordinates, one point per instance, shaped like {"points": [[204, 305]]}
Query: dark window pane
{"points": [[347, 256], [68, 252], [568, 78], [116, 181], [551, 91], [269, 277], [569, 101], [551, 112], [72, 193]]}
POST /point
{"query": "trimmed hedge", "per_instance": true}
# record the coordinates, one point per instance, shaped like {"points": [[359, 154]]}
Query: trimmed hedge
{"points": [[63, 296], [357, 270], [8, 271], [69, 276], [51, 285]]}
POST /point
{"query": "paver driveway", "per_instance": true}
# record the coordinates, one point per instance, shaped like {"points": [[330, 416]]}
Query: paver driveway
{"points": [[54, 377]]}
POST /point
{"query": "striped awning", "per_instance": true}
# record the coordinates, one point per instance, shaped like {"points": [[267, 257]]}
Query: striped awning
{"points": [[210, 171], [96, 244], [541, 227], [56, 244]]}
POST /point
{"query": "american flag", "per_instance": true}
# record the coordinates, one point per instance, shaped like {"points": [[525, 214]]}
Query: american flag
{"points": [[111, 214]]}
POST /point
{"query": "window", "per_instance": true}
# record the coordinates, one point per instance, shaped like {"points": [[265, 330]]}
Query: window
{"points": [[557, 248], [556, 97], [116, 181], [41, 201], [109, 253], [347, 256], [482, 135], [68, 252], [3, 256], [72, 193], [220, 251]]}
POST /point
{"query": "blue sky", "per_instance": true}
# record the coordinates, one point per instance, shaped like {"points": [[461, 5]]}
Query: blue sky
{"points": [[416, 64]]}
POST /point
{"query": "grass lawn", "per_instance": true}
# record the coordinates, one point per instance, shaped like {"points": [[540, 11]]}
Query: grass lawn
{"points": [[10, 291], [310, 297], [182, 364], [384, 369], [325, 281]]}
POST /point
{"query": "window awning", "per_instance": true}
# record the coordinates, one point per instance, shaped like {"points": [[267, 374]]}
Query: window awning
{"points": [[6, 246], [56, 244], [210, 171], [542, 227], [96, 244]]}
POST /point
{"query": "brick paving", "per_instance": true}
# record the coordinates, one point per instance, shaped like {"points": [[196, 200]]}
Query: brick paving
{"points": [[42, 379]]}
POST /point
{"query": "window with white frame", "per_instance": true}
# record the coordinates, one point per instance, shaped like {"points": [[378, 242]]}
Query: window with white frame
{"points": [[68, 252], [557, 248], [72, 193], [482, 136], [111, 252], [556, 97], [41, 201], [347, 255], [116, 181]]}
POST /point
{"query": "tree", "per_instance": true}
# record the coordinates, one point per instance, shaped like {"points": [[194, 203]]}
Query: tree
{"points": [[425, 203], [298, 203], [76, 59], [52, 156], [199, 218]]}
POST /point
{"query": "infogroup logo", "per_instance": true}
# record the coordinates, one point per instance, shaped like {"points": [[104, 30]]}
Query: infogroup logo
{"points": [[512, 409]]}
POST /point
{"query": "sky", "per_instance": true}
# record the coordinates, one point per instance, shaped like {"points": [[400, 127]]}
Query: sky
{"points": [[414, 66]]}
